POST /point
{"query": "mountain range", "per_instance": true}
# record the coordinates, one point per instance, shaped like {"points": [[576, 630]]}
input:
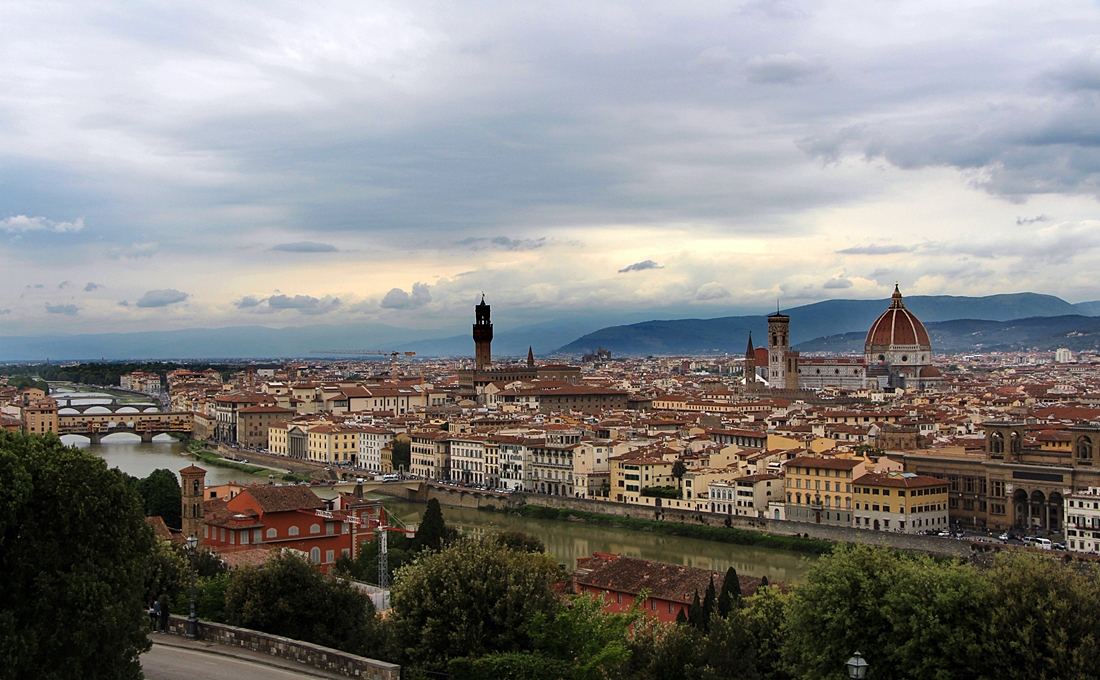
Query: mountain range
{"points": [[819, 320], [824, 325]]}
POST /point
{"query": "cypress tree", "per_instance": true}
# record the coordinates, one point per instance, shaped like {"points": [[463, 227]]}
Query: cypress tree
{"points": [[695, 612], [681, 617], [763, 583], [730, 598], [709, 604], [432, 531]]}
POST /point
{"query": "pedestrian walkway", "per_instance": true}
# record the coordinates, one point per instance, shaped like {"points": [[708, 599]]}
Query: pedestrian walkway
{"points": [[243, 655]]}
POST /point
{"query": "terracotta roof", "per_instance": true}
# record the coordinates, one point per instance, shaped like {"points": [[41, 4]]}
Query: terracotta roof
{"points": [[284, 498], [897, 326], [664, 581]]}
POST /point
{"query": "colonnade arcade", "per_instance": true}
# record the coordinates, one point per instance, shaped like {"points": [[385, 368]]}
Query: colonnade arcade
{"points": [[1036, 509]]}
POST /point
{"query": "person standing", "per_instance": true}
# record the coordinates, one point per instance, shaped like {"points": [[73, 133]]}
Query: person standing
{"points": [[153, 614], [162, 605]]}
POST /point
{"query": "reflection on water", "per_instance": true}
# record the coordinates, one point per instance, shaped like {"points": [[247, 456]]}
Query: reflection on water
{"points": [[128, 453], [568, 541]]}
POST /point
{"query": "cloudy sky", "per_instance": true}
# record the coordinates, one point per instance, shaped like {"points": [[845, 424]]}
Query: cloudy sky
{"points": [[170, 165]]}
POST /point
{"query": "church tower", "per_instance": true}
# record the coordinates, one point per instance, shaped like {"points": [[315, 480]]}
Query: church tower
{"points": [[193, 483], [750, 365], [530, 357], [483, 337], [782, 362]]}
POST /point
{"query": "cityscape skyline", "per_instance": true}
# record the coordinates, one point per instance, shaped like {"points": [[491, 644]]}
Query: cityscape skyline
{"points": [[209, 166]]}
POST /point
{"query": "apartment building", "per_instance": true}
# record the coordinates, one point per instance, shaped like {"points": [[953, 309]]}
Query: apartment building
{"points": [[371, 442], [900, 502], [819, 490], [467, 459]]}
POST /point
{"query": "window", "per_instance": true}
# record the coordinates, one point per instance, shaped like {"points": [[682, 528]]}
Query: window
{"points": [[619, 598], [244, 537], [315, 555], [330, 556], [293, 531], [315, 528]]}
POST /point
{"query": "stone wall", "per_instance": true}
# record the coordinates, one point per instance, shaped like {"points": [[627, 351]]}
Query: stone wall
{"points": [[324, 658]]}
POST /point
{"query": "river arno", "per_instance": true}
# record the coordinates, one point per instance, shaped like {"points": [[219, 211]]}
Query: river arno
{"points": [[566, 540], [570, 540]]}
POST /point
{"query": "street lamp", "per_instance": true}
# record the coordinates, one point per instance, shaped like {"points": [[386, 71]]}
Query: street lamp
{"points": [[192, 620], [857, 667]]}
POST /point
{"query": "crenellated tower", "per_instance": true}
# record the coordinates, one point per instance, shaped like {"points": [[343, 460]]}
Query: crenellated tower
{"points": [[483, 337]]}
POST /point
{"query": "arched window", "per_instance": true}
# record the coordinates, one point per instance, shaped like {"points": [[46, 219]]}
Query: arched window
{"points": [[315, 555], [194, 487], [1084, 448], [292, 531], [315, 528], [272, 532], [996, 443]]}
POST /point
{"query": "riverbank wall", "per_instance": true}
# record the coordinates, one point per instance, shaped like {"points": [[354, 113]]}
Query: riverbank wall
{"points": [[467, 498], [297, 466]]}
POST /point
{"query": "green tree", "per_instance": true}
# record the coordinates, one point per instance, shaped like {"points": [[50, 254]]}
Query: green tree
{"points": [[402, 455], [400, 550], [728, 652], [470, 599], [288, 597], [1044, 620], [695, 613], [709, 604], [910, 616], [161, 494], [432, 532], [586, 636], [74, 554], [730, 598], [678, 471], [764, 617], [168, 571], [517, 540]]}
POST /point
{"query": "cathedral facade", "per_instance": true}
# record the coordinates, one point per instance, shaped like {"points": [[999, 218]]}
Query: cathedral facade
{"points": [[897, 353]]}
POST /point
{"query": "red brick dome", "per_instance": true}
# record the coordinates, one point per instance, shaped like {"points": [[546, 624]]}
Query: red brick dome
{"points": [[897, 326]]}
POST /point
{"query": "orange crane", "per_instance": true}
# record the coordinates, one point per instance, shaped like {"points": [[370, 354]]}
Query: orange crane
{"points": [[375, 352]]}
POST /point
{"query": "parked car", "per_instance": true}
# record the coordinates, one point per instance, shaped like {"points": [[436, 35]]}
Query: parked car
{"points": [[1004, 536]]}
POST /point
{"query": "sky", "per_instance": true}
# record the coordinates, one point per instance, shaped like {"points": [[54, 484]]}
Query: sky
{"points": [[205, 164]]}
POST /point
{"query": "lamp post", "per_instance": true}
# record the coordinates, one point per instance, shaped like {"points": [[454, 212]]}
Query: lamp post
{"points": [[192, 620], [857, 667]]}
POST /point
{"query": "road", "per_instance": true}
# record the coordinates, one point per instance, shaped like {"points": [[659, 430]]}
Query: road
{"points": [[174, 663]]}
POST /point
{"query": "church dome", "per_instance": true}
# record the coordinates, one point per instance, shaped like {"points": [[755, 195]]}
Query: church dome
{"points": [[897, 327]]}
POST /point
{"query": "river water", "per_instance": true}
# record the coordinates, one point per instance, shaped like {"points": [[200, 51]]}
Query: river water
{"points": [[565, 540]]}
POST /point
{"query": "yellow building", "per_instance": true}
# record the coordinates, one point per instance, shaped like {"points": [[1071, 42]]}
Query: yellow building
{"points": [[40, 416], [901, 502], [333, 443], [629, 475], [819, 490]]}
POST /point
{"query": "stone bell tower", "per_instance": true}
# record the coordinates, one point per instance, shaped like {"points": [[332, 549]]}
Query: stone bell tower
{"points": [[782, 362], [193, 483], [750, 366], [483, 337]]}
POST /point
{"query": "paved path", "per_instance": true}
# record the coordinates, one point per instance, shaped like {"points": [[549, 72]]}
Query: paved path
{"points": [[173, 658]]}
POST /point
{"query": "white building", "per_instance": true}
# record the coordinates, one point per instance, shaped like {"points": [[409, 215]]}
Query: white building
{"points": [[1082, 521], [371, 442], [513, 462], [468, 459], [592, 468], [1062, 355]]}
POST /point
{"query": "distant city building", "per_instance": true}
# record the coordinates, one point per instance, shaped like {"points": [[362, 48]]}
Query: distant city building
{"points": [[1062, 355]]}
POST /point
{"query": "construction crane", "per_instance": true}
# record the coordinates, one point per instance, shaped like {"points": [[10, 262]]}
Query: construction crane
{"points": [[384, 523], [373, 352]]}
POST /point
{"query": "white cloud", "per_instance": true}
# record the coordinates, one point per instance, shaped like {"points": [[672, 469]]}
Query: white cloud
{"points": [[22, 223], [711, 291], [399, 299]]}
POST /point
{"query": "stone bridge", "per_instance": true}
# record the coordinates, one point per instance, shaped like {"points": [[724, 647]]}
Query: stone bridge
{"points": [[113, 407], [96, 426]]}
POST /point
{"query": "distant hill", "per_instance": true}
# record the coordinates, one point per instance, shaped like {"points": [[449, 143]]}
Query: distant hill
{"points": [[1088, 308], [1075, 332], [818, 320]]}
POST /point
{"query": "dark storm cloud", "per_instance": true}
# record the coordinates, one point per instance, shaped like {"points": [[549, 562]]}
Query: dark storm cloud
{"points": [[640, 266], [783, 69], [502, 242], [1031, 220], [89, 287], [67, 310], [249, 301], [305, 247], [161, 298]]}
